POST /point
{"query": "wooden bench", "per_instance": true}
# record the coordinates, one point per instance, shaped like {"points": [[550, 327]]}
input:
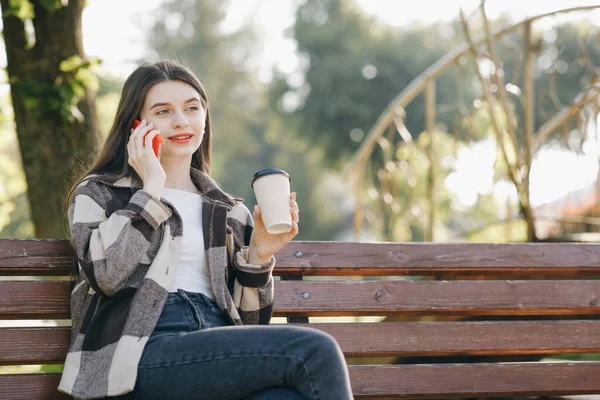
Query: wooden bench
{"points": [[462, 320]]}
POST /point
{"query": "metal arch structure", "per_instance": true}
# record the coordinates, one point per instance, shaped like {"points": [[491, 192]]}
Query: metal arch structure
{"points": [[355, 171]]}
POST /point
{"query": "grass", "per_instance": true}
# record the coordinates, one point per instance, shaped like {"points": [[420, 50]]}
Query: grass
{"points": [[31, 369]]}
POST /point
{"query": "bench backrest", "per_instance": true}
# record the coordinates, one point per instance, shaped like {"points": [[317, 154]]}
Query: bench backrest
{"points": [[414, 320]]}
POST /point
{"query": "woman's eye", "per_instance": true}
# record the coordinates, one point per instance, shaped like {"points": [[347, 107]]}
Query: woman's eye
{"points": [[161, 112], [193, 108]]}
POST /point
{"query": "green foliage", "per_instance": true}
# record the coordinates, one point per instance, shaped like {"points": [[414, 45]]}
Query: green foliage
{"points": [[510, 231], [52, 368], [577, 356], [61, 95], [247, 135], [560, 69], [31, 369], [106, 107], [108, 84], [14, 206], [400, 210], [352, 67], [22, 9], [107, 100], [478, 125], [51, 5]]}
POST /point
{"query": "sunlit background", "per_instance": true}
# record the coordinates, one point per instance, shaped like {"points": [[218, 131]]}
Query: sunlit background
{"points": [[277, 83], [556, 172]]}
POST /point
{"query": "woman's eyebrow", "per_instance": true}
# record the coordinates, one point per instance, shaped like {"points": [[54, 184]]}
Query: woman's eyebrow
{"points": [[168, 104]]}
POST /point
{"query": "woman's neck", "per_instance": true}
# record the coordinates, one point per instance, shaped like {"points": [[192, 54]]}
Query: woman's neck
{"points": [[178, 175]]}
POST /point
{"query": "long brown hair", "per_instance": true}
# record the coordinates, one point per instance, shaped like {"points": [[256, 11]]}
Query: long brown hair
{"points": [[113, 157]]}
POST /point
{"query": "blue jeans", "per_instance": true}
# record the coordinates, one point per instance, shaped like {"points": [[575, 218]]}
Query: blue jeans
{"points": [[195, 353]]}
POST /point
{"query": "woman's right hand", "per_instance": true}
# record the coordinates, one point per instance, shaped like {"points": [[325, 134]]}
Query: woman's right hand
{"points": [[144, 161]]}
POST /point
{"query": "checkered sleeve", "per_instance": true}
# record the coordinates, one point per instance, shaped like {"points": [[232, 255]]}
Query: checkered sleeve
{"points": [[110, 247], [253, 293], [250, 275]]}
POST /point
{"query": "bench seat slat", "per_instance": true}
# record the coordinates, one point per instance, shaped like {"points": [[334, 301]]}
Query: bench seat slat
{"points": [[383, 339], [338, 258], [54, 257], [546, 297], [35, 299], [31, 386], [35, 257], [414, 381], [34, 345], [26, 299], [463, 380]]}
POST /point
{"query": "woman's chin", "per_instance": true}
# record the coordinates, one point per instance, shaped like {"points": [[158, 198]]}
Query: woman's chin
{"points": [[181, 153]]}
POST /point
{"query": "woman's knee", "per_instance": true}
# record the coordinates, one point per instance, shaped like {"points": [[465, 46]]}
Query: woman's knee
{"points": [[322, 343]]}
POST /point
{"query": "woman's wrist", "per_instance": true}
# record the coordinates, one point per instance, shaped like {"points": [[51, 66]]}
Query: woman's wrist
{"points": [[154, 190], [255, 258]]}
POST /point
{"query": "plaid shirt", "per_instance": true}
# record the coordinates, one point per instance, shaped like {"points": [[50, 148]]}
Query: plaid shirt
{"points": [[127, 245]]}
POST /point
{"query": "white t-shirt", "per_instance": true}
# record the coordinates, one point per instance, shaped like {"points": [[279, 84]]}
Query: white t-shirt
{"points": [[191, 273]]}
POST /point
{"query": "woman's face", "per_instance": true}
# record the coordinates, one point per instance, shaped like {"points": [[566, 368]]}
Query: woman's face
{"points": [[175, 108]]}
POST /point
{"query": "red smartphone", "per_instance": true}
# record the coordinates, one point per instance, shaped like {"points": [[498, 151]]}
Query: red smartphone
{"points": [[156, 142]]}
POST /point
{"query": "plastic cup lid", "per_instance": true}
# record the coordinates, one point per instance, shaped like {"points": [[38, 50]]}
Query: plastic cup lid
{"points": [[269, 171]]}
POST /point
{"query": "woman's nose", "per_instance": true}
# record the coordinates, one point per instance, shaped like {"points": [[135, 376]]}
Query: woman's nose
{"points": [[180, 121]]}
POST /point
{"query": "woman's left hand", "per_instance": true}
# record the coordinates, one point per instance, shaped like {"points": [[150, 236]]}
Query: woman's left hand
{"points": [[263, 244]]}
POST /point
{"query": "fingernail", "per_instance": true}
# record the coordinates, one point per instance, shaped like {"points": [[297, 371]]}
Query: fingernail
{"points": [[143, 121]]}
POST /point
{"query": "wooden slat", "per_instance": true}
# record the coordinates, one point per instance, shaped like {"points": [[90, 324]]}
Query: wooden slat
{"points": [[34, 345], [349, 258], [50, 345], [407, 339], [437, 297], [405, 381], [54, 257], [35, 257], [31, 386], [26, 299], [34, 299], [468, 380]]}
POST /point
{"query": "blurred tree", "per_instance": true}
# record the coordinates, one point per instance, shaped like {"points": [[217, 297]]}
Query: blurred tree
{"points": [[351, 67], [566, 61], [52, 90], [247, 136], [109, 93], [191, 31], [543, 71], [402, 196], [15, 221]]}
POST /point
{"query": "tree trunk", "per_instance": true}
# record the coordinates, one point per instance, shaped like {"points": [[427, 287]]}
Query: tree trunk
{"points": [[51, 143]]}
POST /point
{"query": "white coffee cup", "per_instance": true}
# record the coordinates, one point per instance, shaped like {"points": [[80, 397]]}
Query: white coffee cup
{"points": [[272, 190]]}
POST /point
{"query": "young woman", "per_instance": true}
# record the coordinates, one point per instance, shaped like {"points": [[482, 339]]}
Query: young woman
{"points": [[175, 274]]}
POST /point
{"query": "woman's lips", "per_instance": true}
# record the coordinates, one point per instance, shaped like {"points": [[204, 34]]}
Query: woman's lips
{"points": [[181, 139]]}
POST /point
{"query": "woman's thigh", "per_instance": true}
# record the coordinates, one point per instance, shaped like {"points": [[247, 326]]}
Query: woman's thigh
{"points": [[234, 362]]}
